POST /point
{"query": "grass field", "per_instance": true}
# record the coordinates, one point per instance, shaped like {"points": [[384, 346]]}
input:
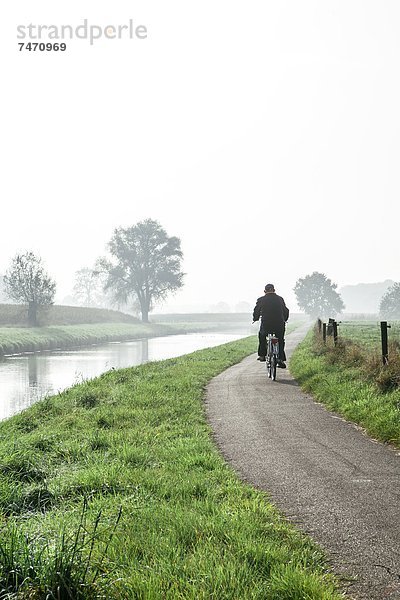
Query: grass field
{"points": [[235, 322], [351, 378], [217, 318], [15, 315], [367, 333], [113, 489]]}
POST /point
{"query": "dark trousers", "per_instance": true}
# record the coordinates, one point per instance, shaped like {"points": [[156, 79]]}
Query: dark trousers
{"points": [[262, 340]]}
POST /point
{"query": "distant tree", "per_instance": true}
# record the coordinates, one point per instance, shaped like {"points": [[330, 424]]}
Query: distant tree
{"points": [[27, 282], [317, 296], [390, 304], [220, 307], [146, 265], [3, 297], [89, 291], [88, 287], [243, 307]]}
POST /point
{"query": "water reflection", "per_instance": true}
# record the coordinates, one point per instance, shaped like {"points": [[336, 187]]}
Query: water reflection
{"points": [[30, 377]]}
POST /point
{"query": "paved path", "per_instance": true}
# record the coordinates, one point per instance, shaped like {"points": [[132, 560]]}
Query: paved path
{"points": [[326, 475]]}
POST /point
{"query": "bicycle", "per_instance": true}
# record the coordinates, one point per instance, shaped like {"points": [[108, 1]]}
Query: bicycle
{"points": [[272, 357]]}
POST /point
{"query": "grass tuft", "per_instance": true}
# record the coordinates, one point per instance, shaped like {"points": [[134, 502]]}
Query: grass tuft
{"points": [[60, 568], [88, 399], [23, 466]]}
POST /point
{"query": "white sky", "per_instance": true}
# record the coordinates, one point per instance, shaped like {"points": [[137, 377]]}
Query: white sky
{"points": [[264, 134]]}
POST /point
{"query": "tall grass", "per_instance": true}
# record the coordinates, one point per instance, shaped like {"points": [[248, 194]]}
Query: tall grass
{"points": [[360, 345], [137, 440], [352, 380], [59, 568]]}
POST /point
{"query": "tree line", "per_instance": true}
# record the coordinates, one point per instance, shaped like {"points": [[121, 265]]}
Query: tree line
{"points": [[316, 295], [143, 267]]}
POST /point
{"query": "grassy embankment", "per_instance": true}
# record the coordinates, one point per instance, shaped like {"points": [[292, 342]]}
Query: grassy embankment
{"points": [[67, 327], [136, 440], [351, 379], [14, 340]]}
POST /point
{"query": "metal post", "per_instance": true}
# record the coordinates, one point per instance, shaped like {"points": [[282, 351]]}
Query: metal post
{"points": [[384, 338], [319, 323], [324, 332]]}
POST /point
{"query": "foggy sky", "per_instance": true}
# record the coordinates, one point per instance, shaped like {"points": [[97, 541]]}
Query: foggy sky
{"points": [[264, 134]]}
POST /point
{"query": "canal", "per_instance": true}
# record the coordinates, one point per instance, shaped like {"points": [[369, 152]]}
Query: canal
{"points": [[26, 378]]}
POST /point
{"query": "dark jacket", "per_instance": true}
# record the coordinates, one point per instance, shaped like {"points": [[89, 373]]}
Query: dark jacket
{"points": [[273, 312]]}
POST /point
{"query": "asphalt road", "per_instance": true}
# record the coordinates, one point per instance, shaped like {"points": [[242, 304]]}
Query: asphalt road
{"points": [[334, 482]]}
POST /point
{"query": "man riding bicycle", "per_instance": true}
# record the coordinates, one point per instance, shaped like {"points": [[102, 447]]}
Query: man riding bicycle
{"points": [[274, 314]]}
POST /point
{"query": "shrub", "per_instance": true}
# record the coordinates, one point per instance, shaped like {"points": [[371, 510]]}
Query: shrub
{"points": [[387, 377]]}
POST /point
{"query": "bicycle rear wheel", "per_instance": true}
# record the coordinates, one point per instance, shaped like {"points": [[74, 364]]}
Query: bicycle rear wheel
{"points": [[274, 361], [269, 367]]}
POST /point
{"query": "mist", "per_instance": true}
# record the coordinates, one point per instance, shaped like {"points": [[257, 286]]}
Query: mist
{"points": [[264, 135]]}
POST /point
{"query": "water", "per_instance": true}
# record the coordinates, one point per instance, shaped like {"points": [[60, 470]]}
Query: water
{"points": [[27, 378]]}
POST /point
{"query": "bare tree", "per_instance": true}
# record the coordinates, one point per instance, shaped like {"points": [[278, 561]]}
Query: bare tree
{"points": [[88, 287]]}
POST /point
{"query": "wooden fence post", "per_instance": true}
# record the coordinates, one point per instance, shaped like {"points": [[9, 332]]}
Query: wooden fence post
{"points": [[384, 338], [335, 332], [319, 323]]}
